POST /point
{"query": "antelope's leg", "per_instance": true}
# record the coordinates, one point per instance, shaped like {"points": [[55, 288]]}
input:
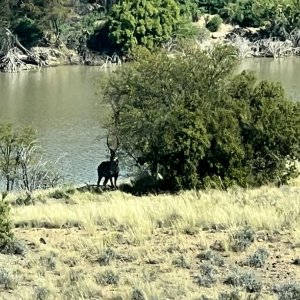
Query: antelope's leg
{"points": [[105, 181], [111, 181], [99, 180]]}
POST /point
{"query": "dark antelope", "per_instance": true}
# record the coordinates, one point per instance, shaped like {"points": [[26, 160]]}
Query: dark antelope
{"points": [[109, 169]]}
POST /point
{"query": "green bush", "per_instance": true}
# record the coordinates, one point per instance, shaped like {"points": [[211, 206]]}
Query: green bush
{"points": [[28, 32], [6, 235], [245, 13], [212, 6], [214, 23], [190, 120], [189, 31], [148, 23]]}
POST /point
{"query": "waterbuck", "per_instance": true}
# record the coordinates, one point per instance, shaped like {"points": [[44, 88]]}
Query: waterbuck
{"points": [[109, 169]]}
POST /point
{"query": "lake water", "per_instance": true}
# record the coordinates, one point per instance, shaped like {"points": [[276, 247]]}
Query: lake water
{"points": [[62, 104], [284, 70]]}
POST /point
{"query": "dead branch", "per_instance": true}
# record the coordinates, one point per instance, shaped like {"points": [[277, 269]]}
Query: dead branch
{"points": [[14, 56]]}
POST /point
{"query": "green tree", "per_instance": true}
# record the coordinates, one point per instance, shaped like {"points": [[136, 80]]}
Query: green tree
{"points": [[28, 32], [188, 118], [7, 12], [49, 15], [140, 22], [189, 9]]}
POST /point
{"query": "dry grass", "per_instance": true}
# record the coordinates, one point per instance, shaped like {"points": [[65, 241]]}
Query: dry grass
{"points": [[266, 208], [117, 246]]}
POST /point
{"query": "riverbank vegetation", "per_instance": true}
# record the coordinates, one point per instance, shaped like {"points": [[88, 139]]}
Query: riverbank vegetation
{"points": [[87, 31]]}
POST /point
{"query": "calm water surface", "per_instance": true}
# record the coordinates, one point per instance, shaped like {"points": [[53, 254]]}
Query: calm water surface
{"points": [[284, 70], [62, 104]]}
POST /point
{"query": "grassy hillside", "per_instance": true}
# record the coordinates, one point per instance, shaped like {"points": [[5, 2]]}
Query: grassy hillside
{"points": [[116, 246]]}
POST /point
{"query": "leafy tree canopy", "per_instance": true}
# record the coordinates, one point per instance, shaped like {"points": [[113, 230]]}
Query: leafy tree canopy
{"points": [[187, 117], [143, 22]]}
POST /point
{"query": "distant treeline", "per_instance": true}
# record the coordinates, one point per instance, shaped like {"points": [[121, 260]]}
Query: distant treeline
{"points": [[110, 26]]}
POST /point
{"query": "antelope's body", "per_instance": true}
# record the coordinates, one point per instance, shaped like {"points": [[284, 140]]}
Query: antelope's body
{"points": [[109, 170]]}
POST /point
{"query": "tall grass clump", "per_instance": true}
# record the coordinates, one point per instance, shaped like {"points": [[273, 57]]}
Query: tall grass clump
{"points": [[264, 208]]}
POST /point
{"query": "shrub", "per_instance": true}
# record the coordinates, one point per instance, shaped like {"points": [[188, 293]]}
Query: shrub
{"points": [[288, 291], [214, 23], [208, 275], [106, 257], [247, 13], [187, 30], [76, 276], [6, 235], [237, 295], [49, 261], [138, 294], [233, 295], [212, 6], [205, 127], [21, 164], [147, 23], [211, 256], [245, 279], [7, 281], [258, 258], [59, 194], [14, 246], [28, 32], [41, 293], [181, 262], [242, 239], [108, 277]]}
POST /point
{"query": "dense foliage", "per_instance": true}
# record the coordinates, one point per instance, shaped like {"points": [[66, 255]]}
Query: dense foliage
{"points": [[127, 23], [140, 22], [214, 23], [28, 32], [279, 17], [188, 118]]}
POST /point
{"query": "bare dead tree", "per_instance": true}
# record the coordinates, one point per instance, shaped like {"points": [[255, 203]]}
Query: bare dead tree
{"points": [[34, 171], [109, 169], [243, 46], [14, 56]]}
